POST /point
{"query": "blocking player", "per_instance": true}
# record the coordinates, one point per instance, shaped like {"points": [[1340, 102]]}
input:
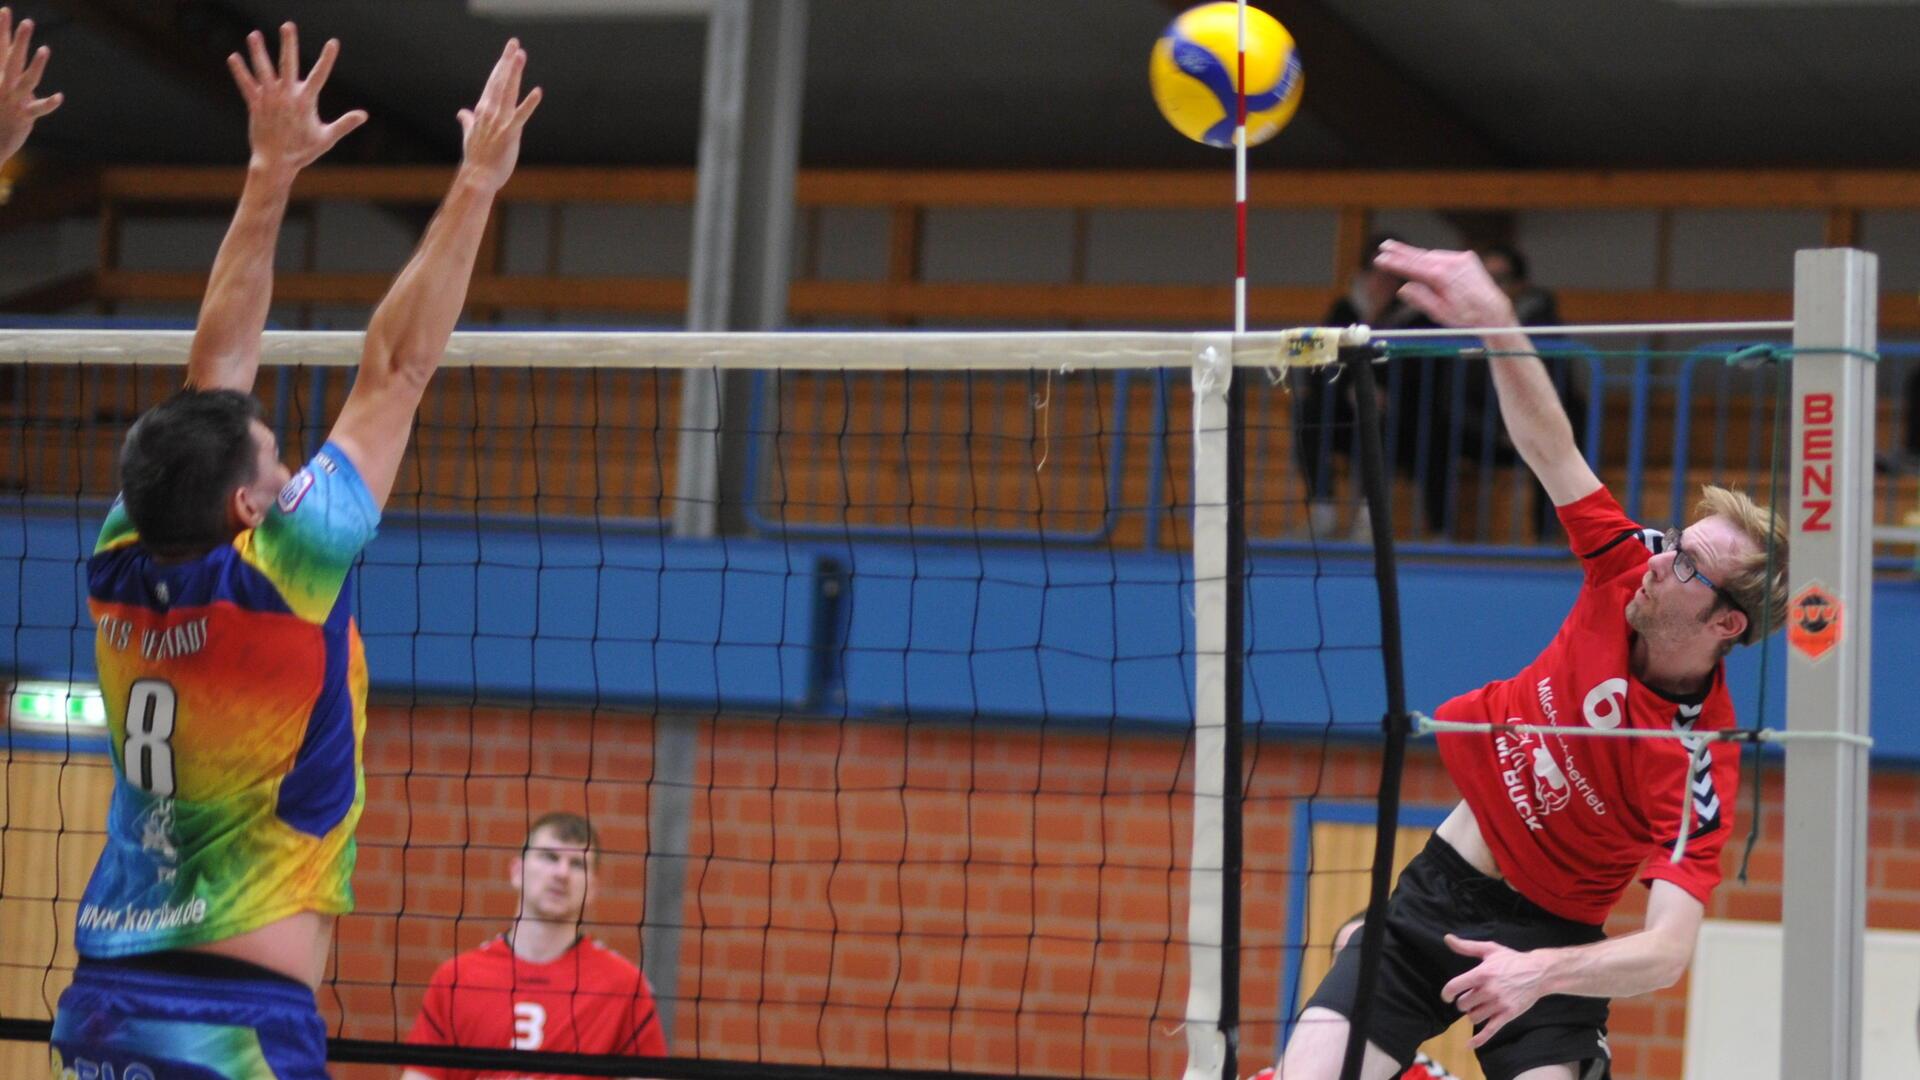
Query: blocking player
{"points": [[229, 658], [1500, 916], [21, 67], [542, 985]]}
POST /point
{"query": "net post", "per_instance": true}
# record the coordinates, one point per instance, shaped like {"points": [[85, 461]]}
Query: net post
{"points": [[1217, 667], [1823, 894]]}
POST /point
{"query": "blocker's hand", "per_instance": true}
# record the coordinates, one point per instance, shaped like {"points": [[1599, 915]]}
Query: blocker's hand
{"points": [[492, 127], [283, 109], [1505, 984], [1451, 287], [21, 67]]}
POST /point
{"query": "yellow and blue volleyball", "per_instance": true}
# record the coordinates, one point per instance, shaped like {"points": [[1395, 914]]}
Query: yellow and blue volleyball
{"points": [[1194, 74]]}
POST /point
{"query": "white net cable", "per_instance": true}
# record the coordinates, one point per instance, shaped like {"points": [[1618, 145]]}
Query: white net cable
{"points": [[1426, 725]]}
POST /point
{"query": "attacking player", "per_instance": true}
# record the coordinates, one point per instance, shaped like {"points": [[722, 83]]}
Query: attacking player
{"points": [[229, 659], [21, 67], [1500, 916], [542, 985]]}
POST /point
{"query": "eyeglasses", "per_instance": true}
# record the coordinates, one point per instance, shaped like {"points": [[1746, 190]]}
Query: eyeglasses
{"points": [[1685, 570]]}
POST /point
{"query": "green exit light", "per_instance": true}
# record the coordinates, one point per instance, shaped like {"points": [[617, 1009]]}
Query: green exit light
{"points": [[56, 706]]}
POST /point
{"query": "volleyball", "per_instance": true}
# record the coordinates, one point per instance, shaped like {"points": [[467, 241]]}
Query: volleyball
{"points": [[1193, 74]]}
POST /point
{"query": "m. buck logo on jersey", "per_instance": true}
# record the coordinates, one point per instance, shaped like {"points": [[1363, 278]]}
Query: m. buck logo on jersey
{"points": [[1540, 772], [1541, 776]]}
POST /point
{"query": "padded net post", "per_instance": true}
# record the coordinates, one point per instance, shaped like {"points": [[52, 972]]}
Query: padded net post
{"points": [[1823, 894], [1211, 918]]}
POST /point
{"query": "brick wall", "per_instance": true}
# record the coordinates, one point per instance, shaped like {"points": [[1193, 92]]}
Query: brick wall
{"points": [[928, 897]]}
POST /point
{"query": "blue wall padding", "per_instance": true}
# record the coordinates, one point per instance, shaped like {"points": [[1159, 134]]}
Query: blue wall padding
{"points": [[605, 617], [1060, 635]]}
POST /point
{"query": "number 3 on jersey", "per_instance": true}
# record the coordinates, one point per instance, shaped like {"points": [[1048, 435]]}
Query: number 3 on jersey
{"points": [[147, 754], [529, 1025]]}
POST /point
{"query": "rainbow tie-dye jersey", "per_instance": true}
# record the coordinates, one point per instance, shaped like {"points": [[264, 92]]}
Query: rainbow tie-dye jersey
{"points": [[236, 689]]}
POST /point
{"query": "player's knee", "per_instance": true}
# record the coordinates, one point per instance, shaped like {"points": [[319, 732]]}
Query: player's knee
{"points": [[1318, 1047]]}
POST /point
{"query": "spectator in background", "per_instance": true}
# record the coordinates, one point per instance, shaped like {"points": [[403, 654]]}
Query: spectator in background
{"points": [[1912, 462], [1323, 411], [542, 985], [1534, 307], [1905, 455], [1429, 421]]}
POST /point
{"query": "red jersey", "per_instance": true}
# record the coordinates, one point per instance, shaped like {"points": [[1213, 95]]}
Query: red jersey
{"points": [[588, 1000], [1572, 820], [1425, 1068]]}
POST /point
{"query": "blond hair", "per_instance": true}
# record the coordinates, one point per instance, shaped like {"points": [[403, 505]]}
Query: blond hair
{"points": [[1758, 578]]}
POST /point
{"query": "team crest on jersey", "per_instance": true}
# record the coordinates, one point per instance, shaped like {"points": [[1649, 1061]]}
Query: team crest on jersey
{"points": [[156, 837], [1535, 781], [1539, 770], [1549, 780], [295, 491]]}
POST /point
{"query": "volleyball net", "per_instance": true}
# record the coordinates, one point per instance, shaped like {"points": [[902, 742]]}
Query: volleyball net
{"points": [[987, 704]]}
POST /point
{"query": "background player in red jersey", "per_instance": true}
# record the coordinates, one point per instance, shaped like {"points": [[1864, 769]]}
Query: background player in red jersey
{"points": [[20, 69], [1500, 917], [542, 985]]}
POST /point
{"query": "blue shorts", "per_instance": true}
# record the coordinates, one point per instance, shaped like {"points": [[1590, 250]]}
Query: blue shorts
{"points": [[186, 1016]]}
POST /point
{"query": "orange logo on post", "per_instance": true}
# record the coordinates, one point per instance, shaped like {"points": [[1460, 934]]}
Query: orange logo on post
{"points": [[1813, 621]]}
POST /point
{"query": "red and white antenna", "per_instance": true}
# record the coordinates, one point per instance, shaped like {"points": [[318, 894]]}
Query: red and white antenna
{"points": [[1240, 179]]}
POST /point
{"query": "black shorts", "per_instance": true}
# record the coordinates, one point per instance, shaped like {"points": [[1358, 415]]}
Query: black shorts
{"points": [[1440, 893]]}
